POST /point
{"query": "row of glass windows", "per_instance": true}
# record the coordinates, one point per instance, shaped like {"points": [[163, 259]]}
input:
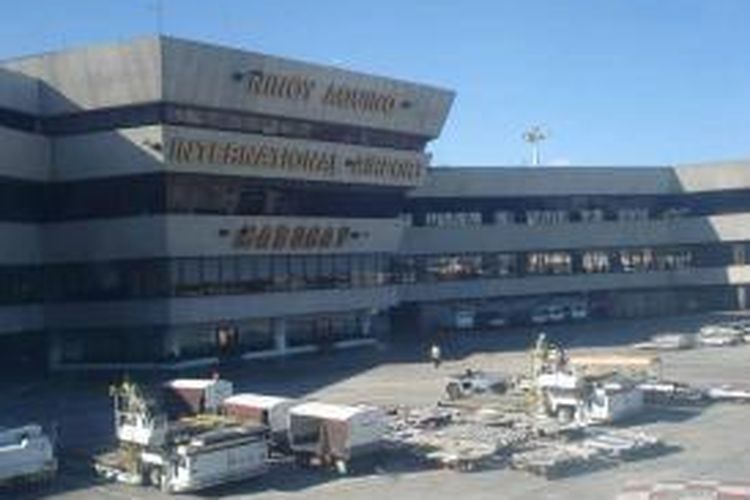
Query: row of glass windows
{"points": [[224, 339], [284, 273], [220, 119], [431, 268], [540, 217], [28, 201], [113, 280], [194, 116], [540, 211]]}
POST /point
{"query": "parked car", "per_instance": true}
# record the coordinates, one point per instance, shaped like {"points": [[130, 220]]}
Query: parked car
{"points": [[720, 335], [540, 316], [471, 382], [492, 319], [557, 313], [464, 320], [578, 311]]}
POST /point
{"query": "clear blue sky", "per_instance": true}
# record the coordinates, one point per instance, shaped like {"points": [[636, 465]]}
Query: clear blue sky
{"points": [[619, 82]]}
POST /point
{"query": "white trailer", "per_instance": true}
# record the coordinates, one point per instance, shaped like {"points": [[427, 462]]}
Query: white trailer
{"points": [[271, 411], [193, 396], [26, 455], [335, 433]]}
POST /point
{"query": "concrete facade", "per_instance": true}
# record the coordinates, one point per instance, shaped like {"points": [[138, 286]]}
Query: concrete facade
{"points": [[175, 202]]}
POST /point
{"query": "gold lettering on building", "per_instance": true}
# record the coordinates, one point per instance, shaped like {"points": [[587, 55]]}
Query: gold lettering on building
{"points": [[384, 167], [291, 159], [306, 162], [295, 87], [292, 87], [283, 238], [350, 98]]}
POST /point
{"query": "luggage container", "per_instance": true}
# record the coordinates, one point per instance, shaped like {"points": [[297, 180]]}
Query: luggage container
{"points": [[335, 434], [194, 396], [271, 411]]}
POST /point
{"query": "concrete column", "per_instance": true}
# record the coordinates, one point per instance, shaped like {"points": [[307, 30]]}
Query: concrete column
{"points": [[739, 255], [171, 344], [278, 326], [54, 350], [741, 297], [364, 320]]}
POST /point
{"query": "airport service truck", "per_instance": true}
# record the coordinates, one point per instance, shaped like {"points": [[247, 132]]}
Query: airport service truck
{"points": [[189, 448], [26, 456]]}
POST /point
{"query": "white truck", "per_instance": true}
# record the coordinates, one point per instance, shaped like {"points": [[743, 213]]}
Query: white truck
{"points": [[26, 455], [183, 455]]}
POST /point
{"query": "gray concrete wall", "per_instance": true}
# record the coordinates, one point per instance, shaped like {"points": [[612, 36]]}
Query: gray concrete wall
{"points": [[200, 235], [107, 154], [98, 76], [158, 148], [218, 308], [566, 181], [575, 235], [180, 148], [155, 68], [210, 75], [194, 236], [18, 92], [24, 155], [20, 244], [177, 311]]}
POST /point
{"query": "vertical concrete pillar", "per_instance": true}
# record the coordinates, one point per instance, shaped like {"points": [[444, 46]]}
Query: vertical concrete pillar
{"points": [[739, 257], [54, 350], [364, 320], [741, 297], [171, 345], [278, 326]]}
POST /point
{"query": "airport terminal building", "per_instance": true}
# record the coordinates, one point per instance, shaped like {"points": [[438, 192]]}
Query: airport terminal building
{"points": [[165, 203]]}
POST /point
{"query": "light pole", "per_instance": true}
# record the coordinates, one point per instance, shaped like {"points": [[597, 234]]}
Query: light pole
{"points": [[534, 136]]}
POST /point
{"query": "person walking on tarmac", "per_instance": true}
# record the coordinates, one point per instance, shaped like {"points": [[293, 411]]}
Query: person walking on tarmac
{"points": [[435, 355]]}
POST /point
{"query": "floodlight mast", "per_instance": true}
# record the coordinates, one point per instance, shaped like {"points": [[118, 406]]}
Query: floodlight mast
{"points": [[534, 136]]}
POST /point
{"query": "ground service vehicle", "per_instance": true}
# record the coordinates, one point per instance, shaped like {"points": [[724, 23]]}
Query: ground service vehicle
{"points": [[473, 382], [187, 454], [26, 455]]}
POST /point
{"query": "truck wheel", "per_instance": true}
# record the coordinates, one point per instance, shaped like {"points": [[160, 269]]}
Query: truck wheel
{"points": [[565, 415], [155, 477], [453, 391], [341, 467]]}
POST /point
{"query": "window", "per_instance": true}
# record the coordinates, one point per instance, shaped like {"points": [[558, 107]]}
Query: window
{"points": [[549, 263], [546, 217], [453, 267], [503, 217], [595, 262], [194, 116], [632, 214], [453, 219]]}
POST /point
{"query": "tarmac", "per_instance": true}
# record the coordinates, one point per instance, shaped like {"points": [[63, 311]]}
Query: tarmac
{"points": [[710, 443]]}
